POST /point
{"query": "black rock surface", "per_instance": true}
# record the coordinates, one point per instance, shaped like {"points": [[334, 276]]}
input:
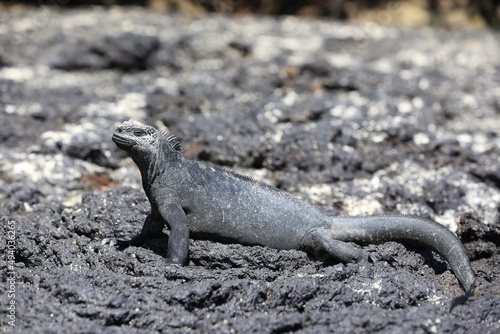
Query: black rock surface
{"points": [[353, 119]]}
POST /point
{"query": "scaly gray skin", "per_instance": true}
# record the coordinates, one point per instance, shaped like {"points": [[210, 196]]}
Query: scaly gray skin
{"points": [[206, 201]]}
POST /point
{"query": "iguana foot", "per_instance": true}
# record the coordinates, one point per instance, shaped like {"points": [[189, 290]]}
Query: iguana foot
{"points": [[174, 265], [176, 260], [460, 300], [319, 239]]}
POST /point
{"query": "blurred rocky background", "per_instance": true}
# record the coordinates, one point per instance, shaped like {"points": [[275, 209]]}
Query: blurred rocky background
{"points": [[439, 13]]}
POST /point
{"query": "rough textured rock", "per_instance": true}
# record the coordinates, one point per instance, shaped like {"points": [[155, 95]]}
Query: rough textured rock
{"points": [[125, 51], [354, 119]]}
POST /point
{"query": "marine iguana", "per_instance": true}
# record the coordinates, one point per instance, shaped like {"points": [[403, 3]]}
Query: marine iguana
{"points": [[206, 201]]}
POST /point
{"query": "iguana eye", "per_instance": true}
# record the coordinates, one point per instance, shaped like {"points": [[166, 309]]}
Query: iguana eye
{"points": [[139, 133]]}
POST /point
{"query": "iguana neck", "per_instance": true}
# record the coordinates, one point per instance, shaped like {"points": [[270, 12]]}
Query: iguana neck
{"points": [[153, 165]]}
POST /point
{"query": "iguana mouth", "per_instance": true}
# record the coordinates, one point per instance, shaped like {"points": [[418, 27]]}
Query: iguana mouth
{"points": [[123, 142]]}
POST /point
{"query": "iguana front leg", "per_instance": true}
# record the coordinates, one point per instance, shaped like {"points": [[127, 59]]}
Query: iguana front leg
{"points": [[178, 240], [152, 227]]}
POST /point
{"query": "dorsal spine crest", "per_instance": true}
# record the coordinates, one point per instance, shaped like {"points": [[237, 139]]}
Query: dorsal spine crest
{"points": [[171, 140]]}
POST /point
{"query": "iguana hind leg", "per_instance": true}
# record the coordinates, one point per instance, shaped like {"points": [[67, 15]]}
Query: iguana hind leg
{"points": [[319, 240]]}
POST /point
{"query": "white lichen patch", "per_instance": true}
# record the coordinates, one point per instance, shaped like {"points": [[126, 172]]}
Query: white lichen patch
{"points": [[36, 168], [481, 143], [56, 175], [477, 197], [345, 112], [405, 107], [356, 206], [17, 74], [86, 132], [343, 60], [421, 139], [128, 106], [368, 288], [485, 200], [449, 219], [317, 194], [412, 176], [290, 98], [25, 109]]}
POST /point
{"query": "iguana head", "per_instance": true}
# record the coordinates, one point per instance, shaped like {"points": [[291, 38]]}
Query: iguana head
{"points": [[143, 141]]}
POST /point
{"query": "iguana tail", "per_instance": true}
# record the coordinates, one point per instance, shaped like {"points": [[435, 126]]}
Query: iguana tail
{"points": [[411, 230]]}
